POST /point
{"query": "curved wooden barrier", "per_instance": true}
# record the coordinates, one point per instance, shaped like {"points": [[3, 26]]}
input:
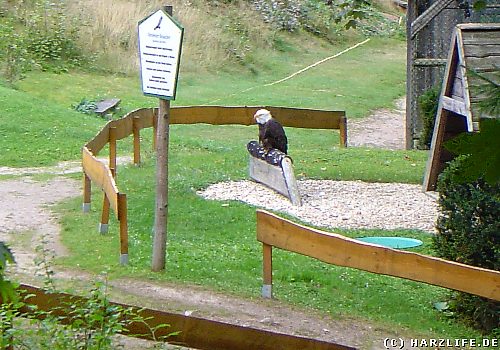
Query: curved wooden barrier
{"points": [[95, 171], [336, 249]]}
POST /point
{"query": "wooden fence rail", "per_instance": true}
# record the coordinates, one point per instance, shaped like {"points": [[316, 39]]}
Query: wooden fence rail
{"points": [[193, 332], [336, 249], [104, 176]]}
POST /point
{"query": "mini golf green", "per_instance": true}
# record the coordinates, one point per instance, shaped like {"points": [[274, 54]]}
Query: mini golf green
{"points": [[393, 242]]}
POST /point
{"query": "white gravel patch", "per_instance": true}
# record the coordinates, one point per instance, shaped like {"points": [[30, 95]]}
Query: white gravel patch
{"points": [[340, 204]]}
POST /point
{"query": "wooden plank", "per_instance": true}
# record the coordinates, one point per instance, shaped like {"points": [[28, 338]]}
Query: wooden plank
{"points": [[104, 106], [430, 62], [308, 118], [462, 72], [343, 251], [421, 21], [267, 174], [434, 162], [291, 117], [458, 87], [101, 175], [486, 63], [194, 332], [454, 106], [477, 35], [290, 181], [99, 141], [482, 51]]}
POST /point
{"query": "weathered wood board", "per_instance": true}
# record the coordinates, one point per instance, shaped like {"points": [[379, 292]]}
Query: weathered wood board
{"points": [[279, 178], [104, 106]]}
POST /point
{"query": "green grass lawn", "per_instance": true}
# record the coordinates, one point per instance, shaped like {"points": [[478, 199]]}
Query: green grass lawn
{"points": [[214, 245]]}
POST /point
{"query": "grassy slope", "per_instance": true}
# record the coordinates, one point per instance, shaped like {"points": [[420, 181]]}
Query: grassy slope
{"points": [[364, 79], [36, 132], [215, 245]]}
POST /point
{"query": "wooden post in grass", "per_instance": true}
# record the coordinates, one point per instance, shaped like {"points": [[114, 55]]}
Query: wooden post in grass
{"points": [[137, 140], [160, 36], [161, 209]]}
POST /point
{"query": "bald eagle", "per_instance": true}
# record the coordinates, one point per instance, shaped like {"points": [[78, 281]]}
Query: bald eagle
{"points": [[271, 133]]}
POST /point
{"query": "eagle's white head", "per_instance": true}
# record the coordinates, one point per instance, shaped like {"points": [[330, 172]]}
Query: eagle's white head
{"points": [[262, 116]]}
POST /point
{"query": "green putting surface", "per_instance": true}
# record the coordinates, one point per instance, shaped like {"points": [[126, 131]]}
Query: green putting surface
{"points": [[393, 242]]}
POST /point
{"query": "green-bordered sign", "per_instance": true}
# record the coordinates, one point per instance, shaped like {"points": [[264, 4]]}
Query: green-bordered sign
{"points": [[160, 44]]}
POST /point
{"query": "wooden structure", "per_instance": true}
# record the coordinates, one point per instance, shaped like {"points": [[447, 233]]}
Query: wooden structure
{"points": [[280, 178], [104, 176], [332, 248], [105, 106], [475, 48], [193, 332], [429, 26]]}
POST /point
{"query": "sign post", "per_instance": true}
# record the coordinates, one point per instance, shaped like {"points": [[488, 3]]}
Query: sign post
{"points": [[160, 43]]}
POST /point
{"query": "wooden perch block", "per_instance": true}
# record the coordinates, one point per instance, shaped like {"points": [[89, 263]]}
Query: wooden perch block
{"points": [[279, 177]]}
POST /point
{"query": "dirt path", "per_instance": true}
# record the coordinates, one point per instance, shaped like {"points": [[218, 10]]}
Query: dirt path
{"points": [[26, 217]]}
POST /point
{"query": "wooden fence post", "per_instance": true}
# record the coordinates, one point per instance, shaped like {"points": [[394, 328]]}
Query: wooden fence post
{"points": [[122, 217], [112, 150], [87, 190], [137, 140], [267, 267], [343, 131]]}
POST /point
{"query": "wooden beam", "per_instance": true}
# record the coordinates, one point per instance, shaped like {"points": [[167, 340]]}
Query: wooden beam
{"points": [[101, 175], [454, 106], [421, 21], [193, 332], [343, 251]]}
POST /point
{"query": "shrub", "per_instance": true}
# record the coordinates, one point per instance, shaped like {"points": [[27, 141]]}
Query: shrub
{"points": [[469, 233], [14, 58], [428, 105]]}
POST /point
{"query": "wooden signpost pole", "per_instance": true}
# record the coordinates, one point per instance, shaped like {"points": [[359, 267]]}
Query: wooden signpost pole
{"points": [[161, 210], [160, 42]]}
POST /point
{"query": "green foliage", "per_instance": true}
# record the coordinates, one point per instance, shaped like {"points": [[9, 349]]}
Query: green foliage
{"points": [[86, 106], [323, 18], [469, 233], [428, 105], [39, 34], [52, 36], [490, 91], [481, 151], [88, 323], [7, 292], [14, 56]]}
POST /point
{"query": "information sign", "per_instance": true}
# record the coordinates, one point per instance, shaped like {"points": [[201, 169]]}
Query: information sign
{"points": [[160, 43]]}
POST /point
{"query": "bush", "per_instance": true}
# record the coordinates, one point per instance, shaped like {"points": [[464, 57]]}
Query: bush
{"points": [[428, 105], [469, 233]]}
